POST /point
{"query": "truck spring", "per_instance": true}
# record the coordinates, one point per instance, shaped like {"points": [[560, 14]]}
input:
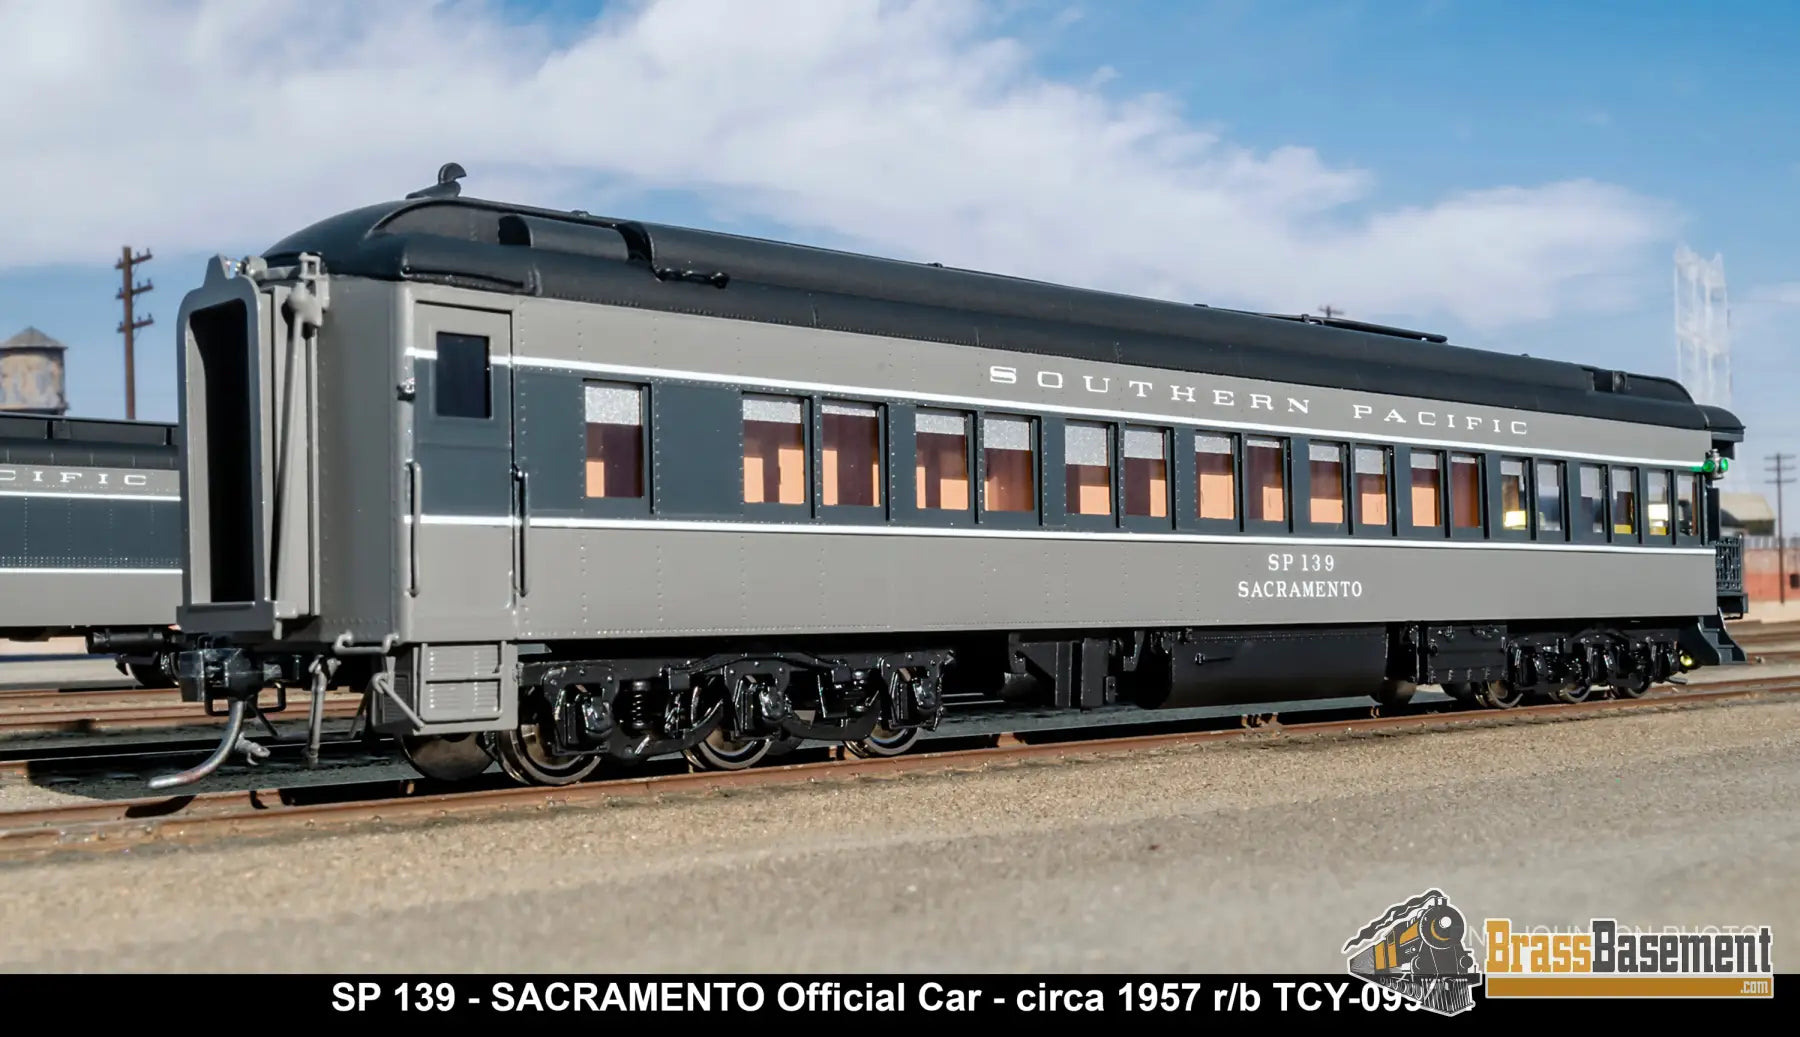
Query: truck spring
{"points": [[634, 706]]}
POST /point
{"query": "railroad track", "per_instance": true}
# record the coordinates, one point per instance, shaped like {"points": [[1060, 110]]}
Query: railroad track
{"points": [[130, 717], [272, 811], [1755, 632]]}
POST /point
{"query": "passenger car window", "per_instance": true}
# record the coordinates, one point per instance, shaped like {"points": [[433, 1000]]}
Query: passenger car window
{"points": [[1689, 501], [1371, 487], [1593, 499], [1624, 501], [1465, 491], [461, 384], [941, 464], [1146, 473], [850, 456], [1512, 494], [1549, 497], [774, 450], [1011, 464], [1326, 465], [1656, 503], [1215, 490], [1087, 457], [1265, 479], [615, 439], [1427, 490]]}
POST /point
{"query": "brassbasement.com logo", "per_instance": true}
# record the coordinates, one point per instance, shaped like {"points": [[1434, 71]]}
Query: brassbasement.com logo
{"points": [[1610, 960], [1418, 949]]}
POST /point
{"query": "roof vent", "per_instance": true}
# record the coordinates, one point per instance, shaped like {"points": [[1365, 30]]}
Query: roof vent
{"points": [[446, 187]]}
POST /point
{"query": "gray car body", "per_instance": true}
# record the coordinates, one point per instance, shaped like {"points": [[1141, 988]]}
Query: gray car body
{"points": [[90, 526], [376, 523]]}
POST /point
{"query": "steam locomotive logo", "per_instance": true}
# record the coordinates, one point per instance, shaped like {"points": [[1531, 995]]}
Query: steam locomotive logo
{"points": [[1417, 949]]}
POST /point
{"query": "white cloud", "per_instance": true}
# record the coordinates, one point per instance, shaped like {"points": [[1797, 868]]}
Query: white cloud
{"points": [[905, 129]]}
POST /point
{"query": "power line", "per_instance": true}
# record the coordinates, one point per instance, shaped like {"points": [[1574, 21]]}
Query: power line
{"points": [[1781, 468], [127, 263]]}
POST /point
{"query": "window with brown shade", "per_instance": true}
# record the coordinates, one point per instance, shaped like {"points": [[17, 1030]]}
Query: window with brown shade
{"points": [[1215, 492], [1656, 503], [1465, 491], [1512, 495], [942, 461], [1010, 478], [1087, 457], [1265, 479], [1624, 501], [1427, 490], [851, 454], [1371, 488], [1146, 472], [774, 450], [615, 439], [1325, 462], [1688, 499]]}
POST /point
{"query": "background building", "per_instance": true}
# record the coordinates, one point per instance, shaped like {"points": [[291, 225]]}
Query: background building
{"points": [[31, 374], [1749, 514]]}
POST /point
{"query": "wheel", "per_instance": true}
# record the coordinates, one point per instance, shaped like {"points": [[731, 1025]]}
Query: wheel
{"points": [[1568, 693], [1461, 691], [883, 742], [447, 757], [1396, 693], [526, 757], [719, 753], [1497, 695], [150, 675], [1632, 687]]}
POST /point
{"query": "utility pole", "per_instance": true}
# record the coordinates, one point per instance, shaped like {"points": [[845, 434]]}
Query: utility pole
{"points": [[1781, 467], [1331, 311], [127, 263]]}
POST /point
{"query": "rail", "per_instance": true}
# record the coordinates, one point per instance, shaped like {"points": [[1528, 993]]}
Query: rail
{"points": [[241, 813]]}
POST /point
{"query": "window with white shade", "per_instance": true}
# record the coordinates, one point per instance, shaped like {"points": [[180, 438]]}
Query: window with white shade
{"points": [[1371, 487], [1265, 479], [1549, 497], [1010, 462], [1593, 501], [615, 439], [774, 450], [1465, 491], [1325, 464], [1146, 472], [1215, 477], [850, 454], [941, 464], [1087, 458], [1427, 489], [1656, 503], [1512, 495], [1688, 499]]}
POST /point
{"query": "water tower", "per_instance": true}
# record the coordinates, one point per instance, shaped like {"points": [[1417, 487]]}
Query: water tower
{"points": [[31, 374]]}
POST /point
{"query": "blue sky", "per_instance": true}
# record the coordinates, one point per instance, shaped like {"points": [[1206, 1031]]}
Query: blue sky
{"points": [[1690, 112]]}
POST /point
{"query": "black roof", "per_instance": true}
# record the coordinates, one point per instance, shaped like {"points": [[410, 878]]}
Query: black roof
{"points": [[31, 428], [497, 246]]}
